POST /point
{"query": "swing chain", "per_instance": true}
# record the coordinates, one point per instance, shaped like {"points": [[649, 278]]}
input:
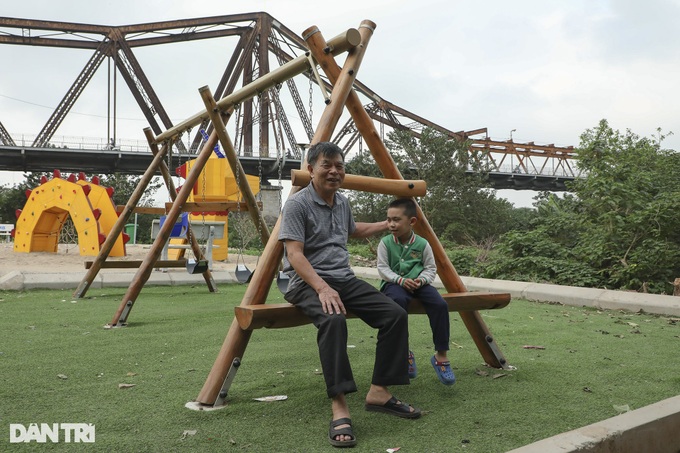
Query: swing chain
{"points": [[311, 92], [237, 137], [168, 146], [239, 223], [189, 234], [203, 197], [259, 196], [169, 153], [201, 239], [282, 161], [189, 141], [238, 189]]}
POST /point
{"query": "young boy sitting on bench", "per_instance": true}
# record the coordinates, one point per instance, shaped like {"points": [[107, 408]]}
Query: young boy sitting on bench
{"points": [[406, 265]]}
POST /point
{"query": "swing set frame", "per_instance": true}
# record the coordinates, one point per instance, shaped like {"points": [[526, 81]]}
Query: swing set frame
{"points": [[322, 53]]}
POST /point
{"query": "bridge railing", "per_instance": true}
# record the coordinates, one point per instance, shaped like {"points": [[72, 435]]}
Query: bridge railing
{"points": [[531, 166], [518, 169], [130, 145], [85, 143], [534, 167]]}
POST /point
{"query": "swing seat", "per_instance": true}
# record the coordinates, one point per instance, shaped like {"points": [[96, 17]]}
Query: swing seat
{"points": [[197, 266], [179, 229], [243, 274], [282, 281]]}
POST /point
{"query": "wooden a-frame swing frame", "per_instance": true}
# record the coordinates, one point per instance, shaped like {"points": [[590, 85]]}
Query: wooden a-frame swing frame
{"points": [[229, 357], [342, 79]]}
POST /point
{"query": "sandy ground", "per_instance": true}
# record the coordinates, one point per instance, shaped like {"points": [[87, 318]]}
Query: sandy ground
{"points": [[67, 259]]}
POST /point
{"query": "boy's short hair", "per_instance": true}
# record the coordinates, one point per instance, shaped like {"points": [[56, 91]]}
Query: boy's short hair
{"points": [[407, 204], [326, 149]]}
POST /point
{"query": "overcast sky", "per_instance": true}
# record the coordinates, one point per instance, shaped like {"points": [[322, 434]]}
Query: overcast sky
{"points": [[548, 69]]}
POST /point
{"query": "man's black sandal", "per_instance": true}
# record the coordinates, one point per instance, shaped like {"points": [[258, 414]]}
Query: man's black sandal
{"points": [[334, 431], [394, 407]]}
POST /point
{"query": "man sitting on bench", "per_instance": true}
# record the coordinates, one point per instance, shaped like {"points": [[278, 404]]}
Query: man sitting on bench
{"points": [[316, 224]]}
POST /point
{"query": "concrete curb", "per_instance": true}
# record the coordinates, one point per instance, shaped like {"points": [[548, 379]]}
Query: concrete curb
{"points": [[580, 297], [652, 428], [19, 281]]}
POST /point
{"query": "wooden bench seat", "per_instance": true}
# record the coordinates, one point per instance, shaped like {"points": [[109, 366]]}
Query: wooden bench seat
{"points": [[191, 207], [186, 246], [132, 264], [277, 316], [142, 210], [213, 206]]}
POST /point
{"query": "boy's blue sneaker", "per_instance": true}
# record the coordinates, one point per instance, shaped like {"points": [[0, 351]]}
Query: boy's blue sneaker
{"points": [[444, 371], [412, 368]]}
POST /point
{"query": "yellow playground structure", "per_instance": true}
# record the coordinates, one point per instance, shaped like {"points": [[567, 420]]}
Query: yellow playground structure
{"points": [[93, 212], [216, 183], [49, 205]]}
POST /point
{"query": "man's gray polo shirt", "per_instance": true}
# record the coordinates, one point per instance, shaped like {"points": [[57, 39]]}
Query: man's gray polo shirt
{"points": [[322, 229]]}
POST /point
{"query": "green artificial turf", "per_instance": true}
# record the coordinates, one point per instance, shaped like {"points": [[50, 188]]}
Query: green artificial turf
{"points": [[59, 365]]}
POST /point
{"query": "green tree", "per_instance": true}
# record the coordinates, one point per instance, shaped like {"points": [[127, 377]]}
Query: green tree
{"points": [[10, 200], [458, 205], [619, 228], [629, 208], [546, 252], [367, 206]]}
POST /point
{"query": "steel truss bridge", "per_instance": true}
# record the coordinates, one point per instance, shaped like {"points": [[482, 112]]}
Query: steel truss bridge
{"points": [[270, 131]]}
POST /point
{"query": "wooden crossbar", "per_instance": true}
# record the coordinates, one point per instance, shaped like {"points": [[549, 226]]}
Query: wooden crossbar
{"points": [[133, 264], [142, 210], [278, 316], [192, 207], [213, 206], [396, 187]]}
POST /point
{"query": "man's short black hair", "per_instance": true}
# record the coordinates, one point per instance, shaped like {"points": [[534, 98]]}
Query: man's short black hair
{"points": [[407, 204], [326, 149]]}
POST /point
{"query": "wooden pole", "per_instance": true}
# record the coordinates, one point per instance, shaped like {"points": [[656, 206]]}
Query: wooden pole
{"points": [[234, 163], [396, 187], [447, 272], [124, 216], [341, 43], [167, 177], [144, 271], [237, 339]]}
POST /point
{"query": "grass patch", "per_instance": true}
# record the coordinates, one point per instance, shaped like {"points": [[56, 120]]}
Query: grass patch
{"points": [[592, 362]]}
